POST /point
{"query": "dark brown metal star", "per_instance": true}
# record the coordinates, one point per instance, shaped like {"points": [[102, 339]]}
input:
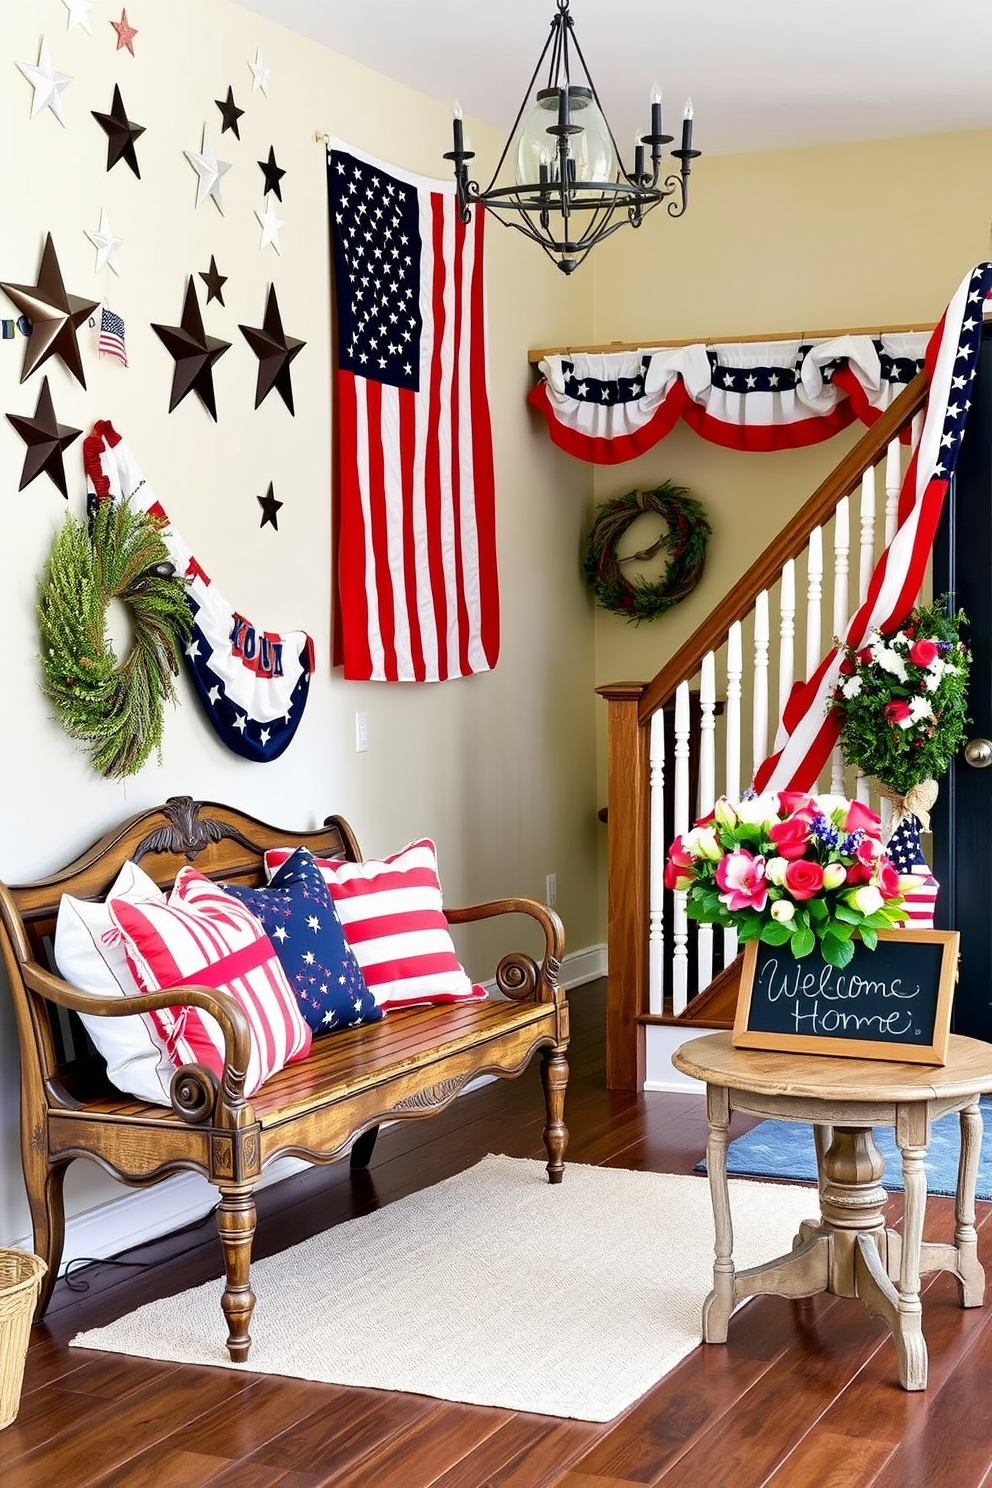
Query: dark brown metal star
{"points": [[273, 174], [269, 506], [45, 438], [215, 281], [230, 113], [275, 351], [195, 354], [121, 134], [53, 316]]}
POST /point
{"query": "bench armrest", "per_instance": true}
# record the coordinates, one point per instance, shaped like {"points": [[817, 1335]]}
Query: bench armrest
{"points": [[518, 976], [220, 1005]]}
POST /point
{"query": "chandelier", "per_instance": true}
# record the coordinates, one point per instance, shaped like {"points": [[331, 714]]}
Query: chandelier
{"points": [[571, 188]]}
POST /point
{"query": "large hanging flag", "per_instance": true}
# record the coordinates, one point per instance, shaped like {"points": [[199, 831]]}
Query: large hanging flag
{"points": [[415, 533], [809, 728]]}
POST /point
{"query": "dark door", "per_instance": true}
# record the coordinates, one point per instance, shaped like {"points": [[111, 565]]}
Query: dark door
{"points": [[962, 822]]}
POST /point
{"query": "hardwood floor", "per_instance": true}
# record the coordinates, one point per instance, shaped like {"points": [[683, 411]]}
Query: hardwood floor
{"points": [[804, 1392]]}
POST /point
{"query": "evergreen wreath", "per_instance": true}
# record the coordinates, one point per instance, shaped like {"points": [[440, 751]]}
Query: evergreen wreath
{"points": [[902, 699], [685, 542], [114, 708]]}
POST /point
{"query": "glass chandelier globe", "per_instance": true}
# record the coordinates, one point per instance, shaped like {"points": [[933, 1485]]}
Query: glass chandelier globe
{"points": [[591, 153]]}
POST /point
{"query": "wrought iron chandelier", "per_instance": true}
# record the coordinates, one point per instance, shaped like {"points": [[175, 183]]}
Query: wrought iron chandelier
{"points": [[571, 188]]}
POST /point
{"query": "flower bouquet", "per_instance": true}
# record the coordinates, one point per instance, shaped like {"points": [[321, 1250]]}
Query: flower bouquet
{"points": [[792, 869], [902, 700]]}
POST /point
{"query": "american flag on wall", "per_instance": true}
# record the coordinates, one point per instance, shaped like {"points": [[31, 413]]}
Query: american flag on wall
{"points": [[417, 598], [111, 340], [809, 728]]}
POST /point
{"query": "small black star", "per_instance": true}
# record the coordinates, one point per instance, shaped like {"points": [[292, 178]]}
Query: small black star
{"points": [[230, 113], [275, 351], [269, 506], [121, 134], [215, 281], [45, 438], [194, 353], [272, 173]]}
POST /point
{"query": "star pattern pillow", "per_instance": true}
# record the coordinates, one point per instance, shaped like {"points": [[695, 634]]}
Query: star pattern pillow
{"points": [[298, 915]]}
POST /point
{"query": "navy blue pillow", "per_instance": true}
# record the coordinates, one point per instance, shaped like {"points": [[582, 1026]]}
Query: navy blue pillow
{"points": [[299, 917]]}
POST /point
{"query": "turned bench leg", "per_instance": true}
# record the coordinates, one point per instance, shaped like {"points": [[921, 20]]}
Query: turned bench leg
{"points": [[236, 1227], [47, 1204], [554, 1078], [362, 1149]]}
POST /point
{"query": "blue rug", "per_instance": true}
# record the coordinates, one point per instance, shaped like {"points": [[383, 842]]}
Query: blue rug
{"points": [[784, 1149]]}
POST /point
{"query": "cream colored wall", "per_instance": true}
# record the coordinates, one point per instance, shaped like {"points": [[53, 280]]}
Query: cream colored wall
{"points": [[878, 233], [498, 768]]}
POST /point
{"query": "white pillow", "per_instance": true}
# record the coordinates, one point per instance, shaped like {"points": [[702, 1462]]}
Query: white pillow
{"points": [[135, 1062]]}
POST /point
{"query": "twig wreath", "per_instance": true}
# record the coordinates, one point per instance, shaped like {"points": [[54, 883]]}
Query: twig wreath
{"points": [[684, 540], [114, 708]]}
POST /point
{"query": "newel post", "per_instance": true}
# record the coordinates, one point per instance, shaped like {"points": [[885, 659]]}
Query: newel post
{"points": [[628, 787]]}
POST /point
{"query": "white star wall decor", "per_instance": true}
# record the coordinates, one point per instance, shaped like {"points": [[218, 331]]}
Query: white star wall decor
{"points": [[79, 14], [259, 74], [105, 243], [210, 171], [270, 225], [46, 82]]}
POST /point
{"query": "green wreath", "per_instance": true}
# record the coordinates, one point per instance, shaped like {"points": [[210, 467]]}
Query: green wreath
{"points": [[684, 540], [114, 708]]}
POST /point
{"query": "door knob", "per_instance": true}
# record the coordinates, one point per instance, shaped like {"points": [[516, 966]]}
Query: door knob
{"points": [[978, 753]]}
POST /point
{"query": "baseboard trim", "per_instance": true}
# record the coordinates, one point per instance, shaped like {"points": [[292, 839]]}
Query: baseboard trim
{"points": [[141, 1215]]}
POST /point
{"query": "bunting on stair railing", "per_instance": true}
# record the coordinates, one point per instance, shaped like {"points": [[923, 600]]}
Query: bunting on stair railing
{"points": [[809, 728], [760, 396]]}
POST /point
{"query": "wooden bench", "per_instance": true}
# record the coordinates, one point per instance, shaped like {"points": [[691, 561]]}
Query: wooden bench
{"points": [[406, 1067]]}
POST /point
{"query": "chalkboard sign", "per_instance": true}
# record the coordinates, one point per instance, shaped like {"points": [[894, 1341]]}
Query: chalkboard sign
{"points": [[890, 1003]]}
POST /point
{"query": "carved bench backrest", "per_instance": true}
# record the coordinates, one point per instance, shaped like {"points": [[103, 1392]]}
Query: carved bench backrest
{"points": [[224, 844]]}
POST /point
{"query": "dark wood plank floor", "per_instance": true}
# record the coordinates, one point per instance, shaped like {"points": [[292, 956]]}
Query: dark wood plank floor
{"points": [[804, 1393]]}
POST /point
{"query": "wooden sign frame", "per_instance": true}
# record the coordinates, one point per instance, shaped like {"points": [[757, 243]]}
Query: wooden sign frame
{"points": [[822, 998]]}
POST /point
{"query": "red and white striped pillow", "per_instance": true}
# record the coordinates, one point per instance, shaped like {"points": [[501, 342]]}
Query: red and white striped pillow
{"points": [[391, 911], [201, 936]]}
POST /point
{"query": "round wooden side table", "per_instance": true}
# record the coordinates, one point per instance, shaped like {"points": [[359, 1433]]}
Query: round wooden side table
{"points": [[848, 1251]]}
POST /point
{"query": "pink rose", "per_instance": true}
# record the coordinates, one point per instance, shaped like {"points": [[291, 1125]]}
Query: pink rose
{"points": [[923, 653], [791, 837], [742, 877], [887, 879], [790, 802], [897, 712], [680, 868], [803, 879], [864, 656], [861, 817]]}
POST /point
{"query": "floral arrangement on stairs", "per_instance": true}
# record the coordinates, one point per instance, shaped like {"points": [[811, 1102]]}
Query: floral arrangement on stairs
{"points": [[792, 869]]}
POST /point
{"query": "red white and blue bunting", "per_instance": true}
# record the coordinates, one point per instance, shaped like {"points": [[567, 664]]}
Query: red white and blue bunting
{"points": [[609, 407]]}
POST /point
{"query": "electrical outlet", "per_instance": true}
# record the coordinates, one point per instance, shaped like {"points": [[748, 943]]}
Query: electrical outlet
{"points": [[551, 890], [361, 732]]}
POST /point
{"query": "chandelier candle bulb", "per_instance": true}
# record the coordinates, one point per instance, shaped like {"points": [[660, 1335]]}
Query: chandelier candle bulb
{"points": [[687, 125]]}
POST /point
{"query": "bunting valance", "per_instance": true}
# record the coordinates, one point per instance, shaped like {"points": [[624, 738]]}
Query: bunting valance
{"points": [[607, 407]]}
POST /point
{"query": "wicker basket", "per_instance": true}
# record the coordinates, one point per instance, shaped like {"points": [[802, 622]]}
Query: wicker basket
{"points": [[20, 1279]]}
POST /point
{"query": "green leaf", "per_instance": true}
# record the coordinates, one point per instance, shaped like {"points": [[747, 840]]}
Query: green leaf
{"points": [[817, 909], [836, 952], [750, 930], [845, 912], [803, 942], [868, 938], [775, 934]]}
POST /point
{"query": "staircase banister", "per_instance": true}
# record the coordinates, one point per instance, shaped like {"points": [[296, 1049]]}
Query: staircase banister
{"points": [[789, 543]]}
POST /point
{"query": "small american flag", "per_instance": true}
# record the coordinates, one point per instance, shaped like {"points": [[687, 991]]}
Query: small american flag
{"points": [[905, 851], [111, 341]]}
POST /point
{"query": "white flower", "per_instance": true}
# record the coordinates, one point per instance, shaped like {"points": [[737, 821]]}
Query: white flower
{"points": [[851, 686], [702, 842], [890, 661], [866, 899], [776, 869], [758, 811], [919, 708]]}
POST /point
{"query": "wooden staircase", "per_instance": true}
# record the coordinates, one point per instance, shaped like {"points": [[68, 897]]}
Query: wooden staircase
{"points": [[662, 970]]}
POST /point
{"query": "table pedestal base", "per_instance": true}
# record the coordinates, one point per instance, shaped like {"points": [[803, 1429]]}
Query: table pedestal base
{"points": [[849, 1252]]}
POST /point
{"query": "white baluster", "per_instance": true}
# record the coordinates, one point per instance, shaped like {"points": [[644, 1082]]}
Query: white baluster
{"points": [[656, 889], [787, 634], [707, 793], [814, 600], [680, 920], [893, 483], [842, 571], [732, 734], [867, 550], [759, 682]]}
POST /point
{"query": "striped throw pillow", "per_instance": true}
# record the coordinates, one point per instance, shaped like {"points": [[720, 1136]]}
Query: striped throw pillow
{"points": [[201, 936], [391, 911]]}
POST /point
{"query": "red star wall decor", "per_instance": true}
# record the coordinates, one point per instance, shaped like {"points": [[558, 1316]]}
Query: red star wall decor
{"points": [[125, 33]]}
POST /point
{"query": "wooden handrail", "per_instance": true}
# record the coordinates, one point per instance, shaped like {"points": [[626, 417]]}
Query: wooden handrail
{"points": [[788, 544]]}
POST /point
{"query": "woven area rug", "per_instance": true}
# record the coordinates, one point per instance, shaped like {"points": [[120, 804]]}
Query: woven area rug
{"points": [[784, 1149], [493, 1287]]}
